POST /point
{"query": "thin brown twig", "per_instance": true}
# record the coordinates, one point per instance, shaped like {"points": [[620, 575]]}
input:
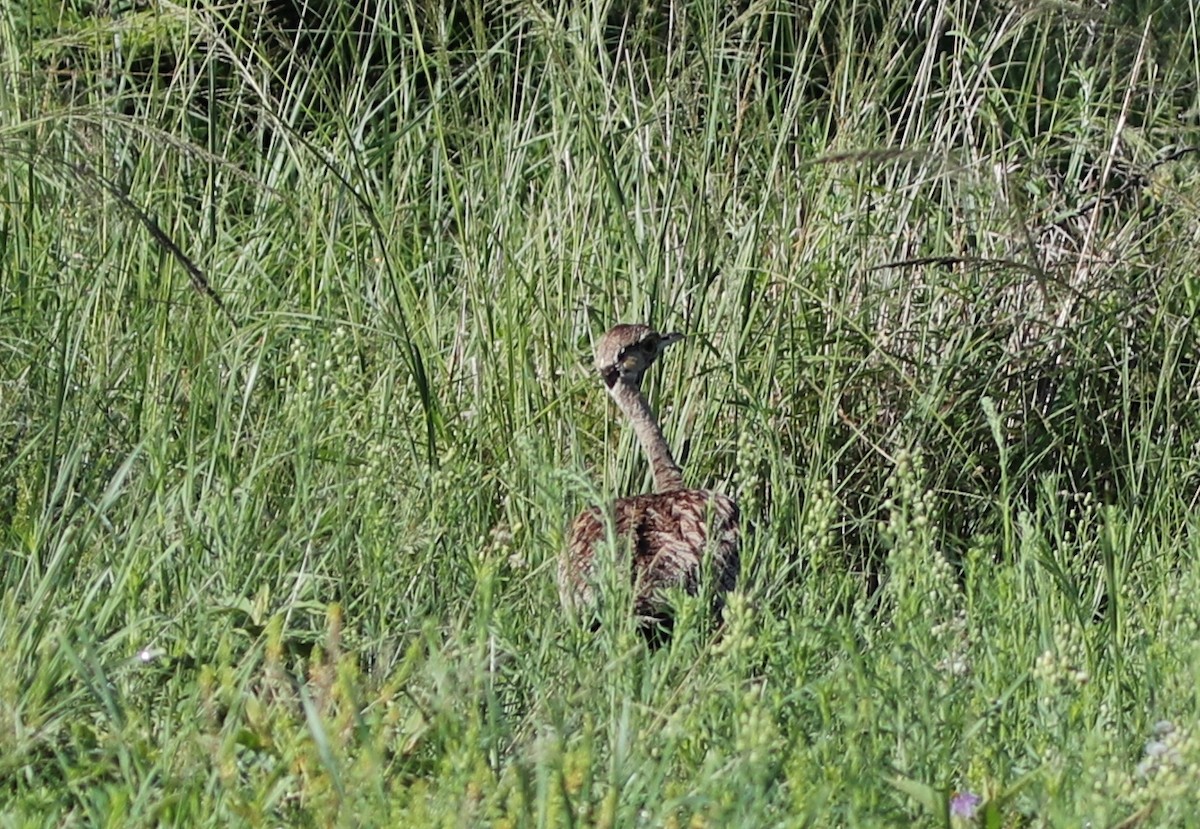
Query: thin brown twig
{"points": [[951, 261], [195, 273]]}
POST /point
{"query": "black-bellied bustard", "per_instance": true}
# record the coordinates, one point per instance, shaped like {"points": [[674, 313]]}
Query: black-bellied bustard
{"points": [[667, 534]]}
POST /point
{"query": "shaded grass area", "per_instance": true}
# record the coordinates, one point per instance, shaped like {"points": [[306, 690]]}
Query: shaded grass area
{"points": [[291, 561]]}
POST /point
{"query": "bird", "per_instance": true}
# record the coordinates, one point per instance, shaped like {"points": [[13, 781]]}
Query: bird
{"points": [[667, 535]]}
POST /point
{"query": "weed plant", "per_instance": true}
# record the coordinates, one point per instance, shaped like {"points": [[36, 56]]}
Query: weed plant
{"points": [[296, 310]]}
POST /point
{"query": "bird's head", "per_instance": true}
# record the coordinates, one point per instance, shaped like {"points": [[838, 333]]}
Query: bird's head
{"points": [[626, 351]]}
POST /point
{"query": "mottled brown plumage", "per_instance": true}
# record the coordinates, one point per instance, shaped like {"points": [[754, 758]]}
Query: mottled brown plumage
{"points": [[669, 535]]}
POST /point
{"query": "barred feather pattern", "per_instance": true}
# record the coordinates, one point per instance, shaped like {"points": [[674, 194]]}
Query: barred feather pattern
{"points": [[671, 540]]}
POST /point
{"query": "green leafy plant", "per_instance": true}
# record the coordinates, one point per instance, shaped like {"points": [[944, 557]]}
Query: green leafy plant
{"points": [[296, 310]]}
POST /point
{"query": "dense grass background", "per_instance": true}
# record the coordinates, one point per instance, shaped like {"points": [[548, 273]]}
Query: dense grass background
{"points": [[296, 309]]}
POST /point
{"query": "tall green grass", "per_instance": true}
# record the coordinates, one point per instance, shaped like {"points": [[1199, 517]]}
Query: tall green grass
{"points": [[295, 404]]}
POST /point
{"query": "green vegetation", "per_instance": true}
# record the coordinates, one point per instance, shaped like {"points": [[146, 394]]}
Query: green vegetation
{"points": [[295, 405]]}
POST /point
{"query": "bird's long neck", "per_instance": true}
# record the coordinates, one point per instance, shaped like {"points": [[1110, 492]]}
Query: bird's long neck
{"points": [[667, 475]]}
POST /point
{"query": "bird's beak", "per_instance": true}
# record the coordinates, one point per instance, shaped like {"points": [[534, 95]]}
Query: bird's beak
{"points": [[668, 339]]}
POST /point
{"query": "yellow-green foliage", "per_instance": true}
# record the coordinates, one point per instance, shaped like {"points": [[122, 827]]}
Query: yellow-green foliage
{"points": [[296, 311]]}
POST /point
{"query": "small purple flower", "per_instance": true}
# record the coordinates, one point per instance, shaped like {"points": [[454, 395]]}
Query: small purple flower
{"points": [[964, 804]]}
